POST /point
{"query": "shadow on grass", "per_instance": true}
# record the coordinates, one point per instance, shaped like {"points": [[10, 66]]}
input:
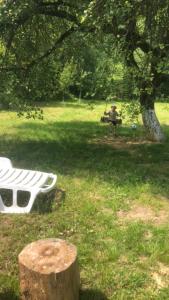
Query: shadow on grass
{"points": [[80, 149], [8, 295], [84, 295], [46, 202], [92, 295]]}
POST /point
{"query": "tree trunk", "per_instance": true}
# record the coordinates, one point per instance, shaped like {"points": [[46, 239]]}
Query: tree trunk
{"points": [[150, 120], [152, 125], [80, 93]]}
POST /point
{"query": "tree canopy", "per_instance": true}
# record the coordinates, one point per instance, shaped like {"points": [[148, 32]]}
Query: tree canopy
{"points": [[73, 42]]}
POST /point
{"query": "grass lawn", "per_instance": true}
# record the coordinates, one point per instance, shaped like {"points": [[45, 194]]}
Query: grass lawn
{"points": [[112, 201]]}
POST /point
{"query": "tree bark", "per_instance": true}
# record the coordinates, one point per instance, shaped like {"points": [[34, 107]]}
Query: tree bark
{"points": [[150, 120], [152, 125], [49, 271]]}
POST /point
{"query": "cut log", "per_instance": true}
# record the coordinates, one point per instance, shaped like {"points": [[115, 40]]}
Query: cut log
{"points": [[49, 271]]}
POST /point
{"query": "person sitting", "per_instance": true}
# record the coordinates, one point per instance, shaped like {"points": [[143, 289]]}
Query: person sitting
{"points": [[112, 116]]}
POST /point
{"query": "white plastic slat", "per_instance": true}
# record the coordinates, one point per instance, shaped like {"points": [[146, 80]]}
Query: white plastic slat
{"points": [[28, 178], [7, 175], [19, 179], [13, 177], [42, 180], [34, 180], [3, 172]]}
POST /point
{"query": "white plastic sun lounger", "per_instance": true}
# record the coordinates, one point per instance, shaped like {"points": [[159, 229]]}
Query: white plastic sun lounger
{"points": [[34, 182]]}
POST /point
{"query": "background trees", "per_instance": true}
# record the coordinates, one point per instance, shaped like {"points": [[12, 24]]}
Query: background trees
{"points": [[90, 49], [140, 30]]}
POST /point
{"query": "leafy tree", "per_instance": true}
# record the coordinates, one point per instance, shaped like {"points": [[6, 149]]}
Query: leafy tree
{"points": [[31, 31], [140, 30], [67, 77]]}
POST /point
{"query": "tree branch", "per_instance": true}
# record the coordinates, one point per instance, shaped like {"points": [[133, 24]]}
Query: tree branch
{"points": [[53, 48], [56, 4], [54, 11], [19, 22], [27, 67], [60, 14]]}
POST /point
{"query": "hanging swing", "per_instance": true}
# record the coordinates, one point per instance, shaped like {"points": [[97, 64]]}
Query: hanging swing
{"points": [[111, 116]]}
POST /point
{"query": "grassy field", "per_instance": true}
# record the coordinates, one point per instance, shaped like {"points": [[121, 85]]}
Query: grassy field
{"points": [[112, 201]]}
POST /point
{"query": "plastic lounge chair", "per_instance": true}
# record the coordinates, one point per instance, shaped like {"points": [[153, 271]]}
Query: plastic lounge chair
{"points": [[34, 182]]}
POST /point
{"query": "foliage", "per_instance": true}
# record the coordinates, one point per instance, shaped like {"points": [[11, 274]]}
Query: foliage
{"points": [[141, 39], [130, 111], [30, 112], [67, 76], [134, 33]]}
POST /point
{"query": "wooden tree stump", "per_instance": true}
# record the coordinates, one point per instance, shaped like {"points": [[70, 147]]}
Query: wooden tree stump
{"points": [[49, 271]]}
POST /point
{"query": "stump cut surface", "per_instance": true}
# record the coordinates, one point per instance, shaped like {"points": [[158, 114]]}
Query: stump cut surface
{"points": [[48, 256]]}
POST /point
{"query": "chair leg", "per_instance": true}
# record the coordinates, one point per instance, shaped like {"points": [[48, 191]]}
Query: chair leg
{"points": [[14, 194], [2, 207], [15, 208], [31, 201]]}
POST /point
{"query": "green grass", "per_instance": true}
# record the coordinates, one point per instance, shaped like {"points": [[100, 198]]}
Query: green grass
{"points": [[100, 181]]}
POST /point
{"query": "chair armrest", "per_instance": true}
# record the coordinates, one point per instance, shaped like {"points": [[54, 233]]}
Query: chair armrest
{"points": [[50, 186]]}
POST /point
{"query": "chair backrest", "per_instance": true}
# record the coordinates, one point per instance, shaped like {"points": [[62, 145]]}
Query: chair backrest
{"points": [[5, 163]]}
